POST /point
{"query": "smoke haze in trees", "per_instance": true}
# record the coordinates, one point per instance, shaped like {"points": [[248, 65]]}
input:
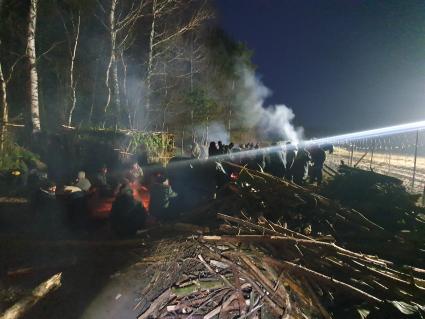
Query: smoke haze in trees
{"points": [[216, 132], [272, 120]]}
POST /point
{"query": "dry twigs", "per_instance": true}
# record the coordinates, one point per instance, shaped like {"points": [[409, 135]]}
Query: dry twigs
{"points": [[290, 255]]}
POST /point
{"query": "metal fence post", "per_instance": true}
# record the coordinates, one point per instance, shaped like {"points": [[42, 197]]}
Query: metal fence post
{"points": [[414, 161], [351, 155]]}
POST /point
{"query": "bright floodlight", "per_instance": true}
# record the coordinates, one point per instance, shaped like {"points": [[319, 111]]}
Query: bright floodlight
{"points": [[385, 131]]}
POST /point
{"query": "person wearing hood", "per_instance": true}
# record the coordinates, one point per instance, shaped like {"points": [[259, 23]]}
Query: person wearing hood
{"points": [[82, 182]]}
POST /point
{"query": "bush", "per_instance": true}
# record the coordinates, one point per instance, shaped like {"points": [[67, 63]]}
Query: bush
{"points": [[15, 157]]}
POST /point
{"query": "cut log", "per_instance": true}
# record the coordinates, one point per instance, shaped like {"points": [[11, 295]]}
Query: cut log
{"points": [[22, 306]]}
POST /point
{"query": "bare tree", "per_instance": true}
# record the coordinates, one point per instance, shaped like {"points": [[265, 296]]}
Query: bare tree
{"points": [[4, 108], [111, 80], [32, 64], [162, 33], [5, 77], [73, 36], [121, 21]]}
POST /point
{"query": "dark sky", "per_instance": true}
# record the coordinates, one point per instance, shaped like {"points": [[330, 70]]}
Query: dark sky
{"points": [[341, 65]]}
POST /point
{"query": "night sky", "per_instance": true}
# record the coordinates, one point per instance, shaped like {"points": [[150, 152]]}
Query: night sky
{"points": [[341, 65]]}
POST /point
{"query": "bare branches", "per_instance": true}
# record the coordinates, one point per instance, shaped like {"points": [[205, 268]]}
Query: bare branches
{"points": [[52, 47], [196, 20], [9, 76]]}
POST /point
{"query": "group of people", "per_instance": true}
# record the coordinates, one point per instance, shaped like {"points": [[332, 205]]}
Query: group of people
{"points": [[298, 164], [98, 195], [140, 191]]}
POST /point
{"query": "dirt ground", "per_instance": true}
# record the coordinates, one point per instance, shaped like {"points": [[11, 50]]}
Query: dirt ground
{"points": [[397, 165], [102, 276]]}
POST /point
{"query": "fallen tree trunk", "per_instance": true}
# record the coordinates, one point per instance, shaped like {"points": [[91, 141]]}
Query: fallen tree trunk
{"points": [[22, 306]]}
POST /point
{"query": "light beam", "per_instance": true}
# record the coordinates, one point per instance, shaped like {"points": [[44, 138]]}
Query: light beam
{"points": [[334, 140]]}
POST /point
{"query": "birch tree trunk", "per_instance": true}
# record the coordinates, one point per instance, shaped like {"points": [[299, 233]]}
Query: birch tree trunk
{"points": [[115, 85], [93, 96], [150, 58], [72, 82], [32, 63], [125, 92], [4, 108], [112, 82]]}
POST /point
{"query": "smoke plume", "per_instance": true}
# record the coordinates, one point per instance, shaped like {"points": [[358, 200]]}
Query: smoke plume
{"points": [[273, 120]]}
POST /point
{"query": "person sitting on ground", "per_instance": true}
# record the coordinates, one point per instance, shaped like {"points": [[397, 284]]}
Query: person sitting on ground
{"points": [[136, 172], [127, 215], [82, 182], [44, 196], [160, 196], [47, 210], [101, 179]]}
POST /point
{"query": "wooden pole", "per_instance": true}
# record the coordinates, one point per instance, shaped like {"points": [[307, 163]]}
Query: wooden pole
{"points": [[206, 133], [360, 159], [193, 128], [229, 124], [183, 143], [414, 160], [351, 155], [423, 197]]}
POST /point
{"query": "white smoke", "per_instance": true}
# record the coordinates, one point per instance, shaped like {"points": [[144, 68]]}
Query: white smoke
{"points": [[216, 132], [275, 120]]}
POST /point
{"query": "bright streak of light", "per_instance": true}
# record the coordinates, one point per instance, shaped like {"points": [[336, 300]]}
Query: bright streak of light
{"points": [[334, 140], [385, 131]]}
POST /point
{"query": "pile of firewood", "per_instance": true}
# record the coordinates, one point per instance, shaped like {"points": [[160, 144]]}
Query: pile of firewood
{"points": [[282, 251], [264, 270], [258, 194]]}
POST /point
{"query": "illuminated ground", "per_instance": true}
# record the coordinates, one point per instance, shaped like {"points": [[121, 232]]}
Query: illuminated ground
{"points": [[397, 165]]}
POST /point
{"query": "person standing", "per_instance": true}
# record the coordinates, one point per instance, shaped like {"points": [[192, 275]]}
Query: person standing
{"points": [[212, 150], [300, 166], [101, 179], [318, 157]]}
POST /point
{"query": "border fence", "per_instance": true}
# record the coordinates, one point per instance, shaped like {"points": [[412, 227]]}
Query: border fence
{"points": [[400, 155]]}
